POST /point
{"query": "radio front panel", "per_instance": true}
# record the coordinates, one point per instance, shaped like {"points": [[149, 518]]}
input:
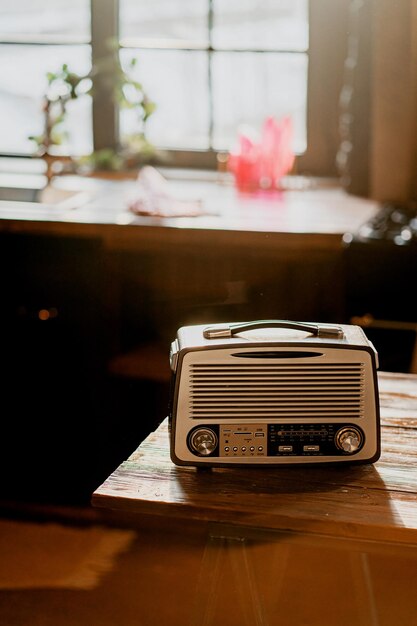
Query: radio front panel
{"points": [[269, 406]]}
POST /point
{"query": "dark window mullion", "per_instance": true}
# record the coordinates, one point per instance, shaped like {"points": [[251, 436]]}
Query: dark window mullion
{"points": [[210, 18], [105, 51]]}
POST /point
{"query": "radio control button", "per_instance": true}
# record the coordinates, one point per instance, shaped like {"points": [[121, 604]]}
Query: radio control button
{"points": [[252, 448], [203, 441], [260, 448], [227, 449], [235, 448], [243, 449], [349, 439], [311, 448], [285, 448]]}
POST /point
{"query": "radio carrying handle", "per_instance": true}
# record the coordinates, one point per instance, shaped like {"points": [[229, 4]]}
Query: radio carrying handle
{"points": [[330, 331]]}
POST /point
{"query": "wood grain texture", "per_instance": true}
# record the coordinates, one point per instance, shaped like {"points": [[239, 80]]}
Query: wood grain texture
{"points": [[373, 502]]}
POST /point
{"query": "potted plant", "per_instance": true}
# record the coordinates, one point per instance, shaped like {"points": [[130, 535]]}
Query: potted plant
{"points": [[64, 86]]}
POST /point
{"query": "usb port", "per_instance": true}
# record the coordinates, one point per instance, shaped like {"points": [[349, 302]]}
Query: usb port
{"points": [[259, 434]]}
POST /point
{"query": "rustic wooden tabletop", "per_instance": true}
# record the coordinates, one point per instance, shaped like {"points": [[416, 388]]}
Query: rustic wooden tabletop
{"points": [[372, 502]]}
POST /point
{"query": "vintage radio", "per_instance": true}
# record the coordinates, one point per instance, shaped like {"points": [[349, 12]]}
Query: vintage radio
{"points": [[273, 392]]}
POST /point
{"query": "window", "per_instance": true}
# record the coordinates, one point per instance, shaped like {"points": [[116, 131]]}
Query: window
{"points": [[209, 65], [247, 60], [38, 36]]}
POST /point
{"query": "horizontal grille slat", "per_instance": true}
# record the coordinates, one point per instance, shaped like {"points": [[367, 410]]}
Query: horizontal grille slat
{"points": [[273, 384], [228, 375], [223, 391], [262, 402], [274, 368], [233, 394], [281, 412]]}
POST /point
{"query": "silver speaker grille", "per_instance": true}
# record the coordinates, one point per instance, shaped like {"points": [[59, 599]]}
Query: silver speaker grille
{"points": [[224, 391]]}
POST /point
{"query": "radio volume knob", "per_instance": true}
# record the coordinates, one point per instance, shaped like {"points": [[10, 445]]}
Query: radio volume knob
{"points": [[203, 441], [349, 439]]}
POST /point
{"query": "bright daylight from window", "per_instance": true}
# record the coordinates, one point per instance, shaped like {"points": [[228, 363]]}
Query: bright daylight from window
{"points": [[210, 67]]}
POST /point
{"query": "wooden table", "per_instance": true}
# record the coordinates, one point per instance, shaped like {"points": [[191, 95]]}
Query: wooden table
{"points": [[284, 546]]}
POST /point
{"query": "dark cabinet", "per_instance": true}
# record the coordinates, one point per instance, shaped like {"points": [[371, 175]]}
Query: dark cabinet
{"points": [[381, 263], [172, 287], [52, 364]]}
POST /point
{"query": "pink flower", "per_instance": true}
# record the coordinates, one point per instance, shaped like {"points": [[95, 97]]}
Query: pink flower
{"points": [[262, 165]]}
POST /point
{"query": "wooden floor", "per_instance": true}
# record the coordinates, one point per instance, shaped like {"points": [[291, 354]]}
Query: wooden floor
{"points": [[149, 576]]}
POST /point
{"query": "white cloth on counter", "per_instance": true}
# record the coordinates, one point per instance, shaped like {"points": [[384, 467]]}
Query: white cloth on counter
{"points": [[152, 196]]}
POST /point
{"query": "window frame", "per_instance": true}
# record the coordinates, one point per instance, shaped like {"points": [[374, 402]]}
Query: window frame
{"points": [[328, 21]]}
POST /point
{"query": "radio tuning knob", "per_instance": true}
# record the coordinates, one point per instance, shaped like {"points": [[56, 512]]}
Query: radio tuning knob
{"points": [[349, 439], [203, 441]]}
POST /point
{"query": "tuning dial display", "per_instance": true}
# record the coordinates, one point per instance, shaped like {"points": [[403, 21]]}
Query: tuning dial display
{"points": [[203, 441], [349, 439]]}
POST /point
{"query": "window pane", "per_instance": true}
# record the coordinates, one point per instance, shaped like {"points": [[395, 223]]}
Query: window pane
{"points": [[260, 24], [184, 20], [45, 17], [247, 87], [177, 82], [23, 83]]}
